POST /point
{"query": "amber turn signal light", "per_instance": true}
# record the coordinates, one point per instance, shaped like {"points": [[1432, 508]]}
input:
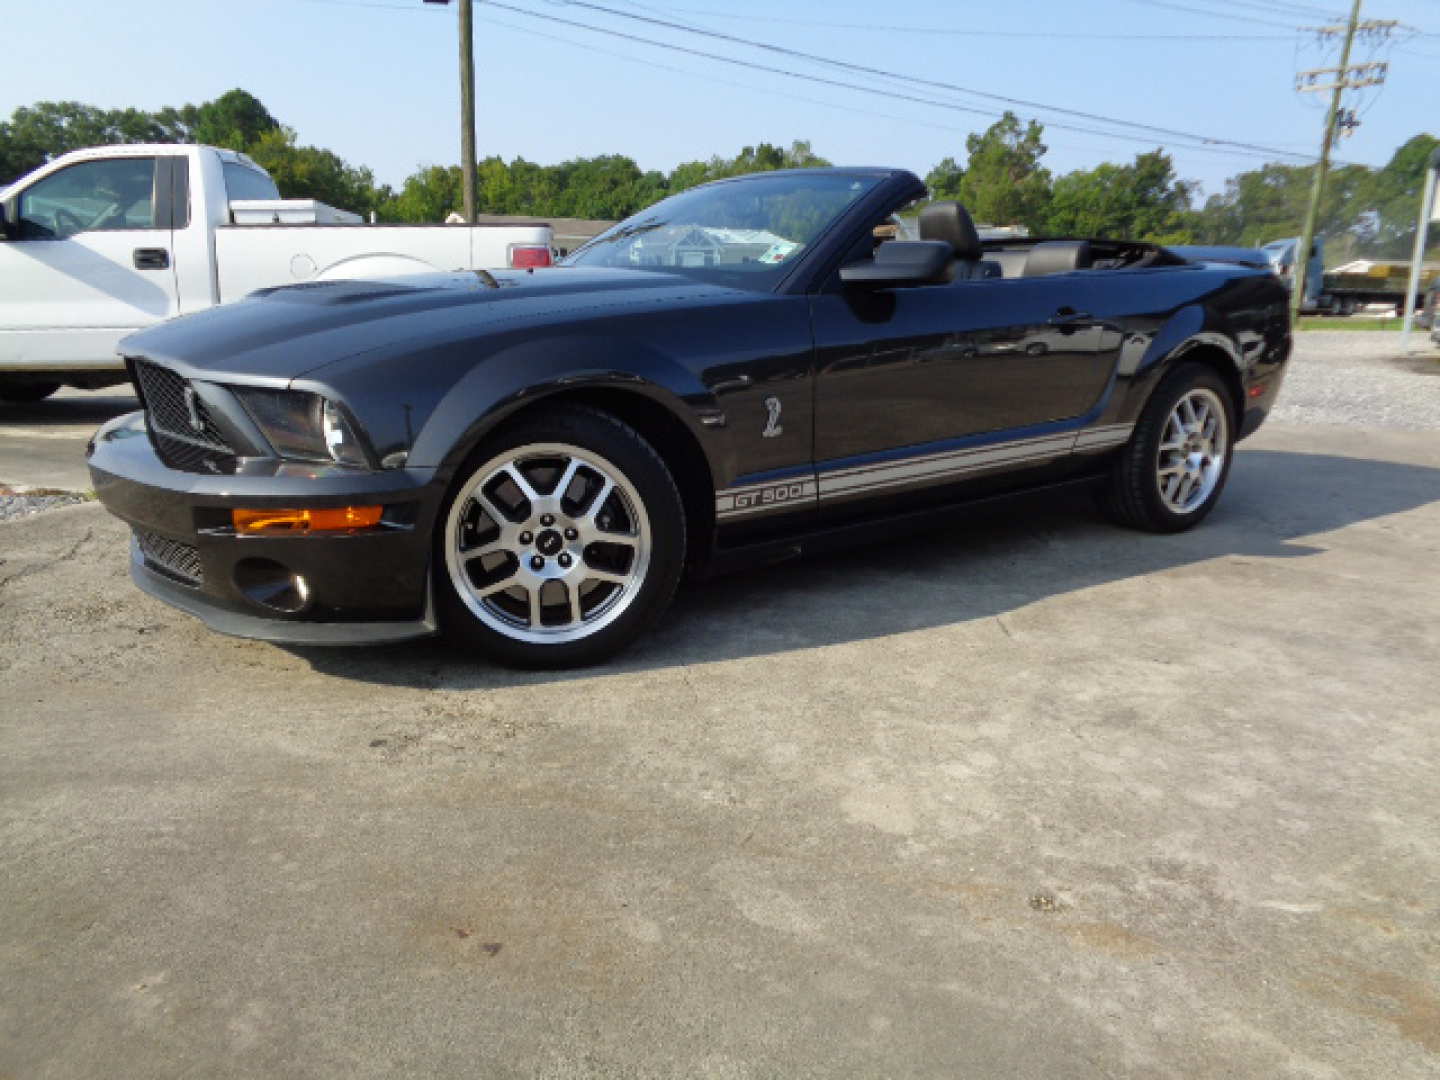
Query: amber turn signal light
{"points": [[305, 521]]}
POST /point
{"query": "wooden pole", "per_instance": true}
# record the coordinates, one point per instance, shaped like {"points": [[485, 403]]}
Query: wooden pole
{"points": [[1317, 188], [467, 108]]}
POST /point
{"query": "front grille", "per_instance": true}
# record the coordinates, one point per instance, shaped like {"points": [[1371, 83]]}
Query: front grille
{"points": [[171, 557], [182, 429]]}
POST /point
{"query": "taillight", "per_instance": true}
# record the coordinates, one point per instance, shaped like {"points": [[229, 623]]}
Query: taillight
{"points": [[528, 256]]}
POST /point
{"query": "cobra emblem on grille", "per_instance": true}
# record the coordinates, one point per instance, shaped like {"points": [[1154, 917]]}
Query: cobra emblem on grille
{"points": [[192, 406]]}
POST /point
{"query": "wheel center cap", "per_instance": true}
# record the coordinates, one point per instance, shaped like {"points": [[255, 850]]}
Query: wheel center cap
{"points": [[549, 542]]}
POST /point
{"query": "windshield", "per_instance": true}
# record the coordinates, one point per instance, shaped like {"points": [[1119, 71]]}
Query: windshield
{"points": [[745, 232]]}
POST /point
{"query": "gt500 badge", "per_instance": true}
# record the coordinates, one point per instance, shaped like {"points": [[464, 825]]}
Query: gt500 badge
{"points": [[766, 496], [763, 497]]}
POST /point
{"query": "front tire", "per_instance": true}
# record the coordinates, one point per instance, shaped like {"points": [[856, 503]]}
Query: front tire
{"points": [[1171, 473], [561, 542]]}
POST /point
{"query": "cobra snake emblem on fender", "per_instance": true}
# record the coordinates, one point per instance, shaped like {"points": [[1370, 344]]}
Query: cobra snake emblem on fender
{"points": [[772, 422]]}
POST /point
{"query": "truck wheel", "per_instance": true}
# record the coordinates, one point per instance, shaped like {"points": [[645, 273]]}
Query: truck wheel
{"points": [[562, 540], [1171, 472], [21, 391]]}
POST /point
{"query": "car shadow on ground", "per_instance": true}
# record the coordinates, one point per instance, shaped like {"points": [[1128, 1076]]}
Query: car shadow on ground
{"points": [[92, 408], [1275, 504]]}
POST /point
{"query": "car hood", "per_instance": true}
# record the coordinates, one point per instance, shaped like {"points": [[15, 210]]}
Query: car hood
{"points": [[291, 331]]}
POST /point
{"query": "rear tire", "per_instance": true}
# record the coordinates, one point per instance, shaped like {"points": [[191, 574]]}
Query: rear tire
{"points": [[21, 392], [562, 540], [1171, 473]]}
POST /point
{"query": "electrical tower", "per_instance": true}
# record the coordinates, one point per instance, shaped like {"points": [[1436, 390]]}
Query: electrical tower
{"points": [[1338, 120]]}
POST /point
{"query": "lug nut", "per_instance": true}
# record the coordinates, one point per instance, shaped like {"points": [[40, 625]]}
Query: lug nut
{"points": [[525, 538], [571, 534], [547, 520], [565, 561], [537, 563]]}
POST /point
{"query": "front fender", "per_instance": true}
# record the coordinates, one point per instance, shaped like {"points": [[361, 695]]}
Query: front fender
{"points": [[524, 373]]}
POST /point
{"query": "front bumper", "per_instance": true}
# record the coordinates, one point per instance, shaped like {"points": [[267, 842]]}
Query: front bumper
{"points": [[366, 586]]}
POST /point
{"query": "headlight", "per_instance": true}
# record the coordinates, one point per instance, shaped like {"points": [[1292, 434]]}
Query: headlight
{"points": [[304, 426], [339, 439]]}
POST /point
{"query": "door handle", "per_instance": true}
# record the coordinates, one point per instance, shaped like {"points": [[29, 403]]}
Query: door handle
{"points": [[1066, 316], [151, 258]]}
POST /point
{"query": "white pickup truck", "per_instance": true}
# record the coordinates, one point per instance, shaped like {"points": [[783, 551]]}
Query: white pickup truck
{"points": [[101, 242]]}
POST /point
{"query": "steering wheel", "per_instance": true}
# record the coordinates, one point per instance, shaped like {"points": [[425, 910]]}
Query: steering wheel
{"points": [[67, 223]]}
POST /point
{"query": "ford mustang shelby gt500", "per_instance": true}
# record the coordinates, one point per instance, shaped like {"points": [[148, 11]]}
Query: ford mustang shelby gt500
{"points": [[531, 461]]}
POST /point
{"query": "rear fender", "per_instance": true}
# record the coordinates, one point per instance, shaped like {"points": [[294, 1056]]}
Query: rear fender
{"points": [[1146, 359]]}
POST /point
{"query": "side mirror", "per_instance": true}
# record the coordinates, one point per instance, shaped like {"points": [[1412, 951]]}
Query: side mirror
{"points": [[900, 262], [6, 229]]}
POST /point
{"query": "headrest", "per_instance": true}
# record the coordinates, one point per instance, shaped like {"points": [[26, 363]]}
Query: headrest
{"points": [[1058, 256], [950, 222]]}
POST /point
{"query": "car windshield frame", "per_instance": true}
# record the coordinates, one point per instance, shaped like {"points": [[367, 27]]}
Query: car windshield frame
{"points": [[749, 232]]}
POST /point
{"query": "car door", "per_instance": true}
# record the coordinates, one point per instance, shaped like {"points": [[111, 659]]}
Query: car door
{"points": [[90, 260], [939, 383]]}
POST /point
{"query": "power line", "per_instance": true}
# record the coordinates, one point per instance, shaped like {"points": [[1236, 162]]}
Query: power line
{"points": [[1206, 144], [1212, 14], [1277, 8], [865, 70], [950, 31], [630, 57]]}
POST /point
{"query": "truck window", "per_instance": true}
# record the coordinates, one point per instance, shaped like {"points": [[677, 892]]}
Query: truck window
{"points": [[117, 193], [246, 183]]}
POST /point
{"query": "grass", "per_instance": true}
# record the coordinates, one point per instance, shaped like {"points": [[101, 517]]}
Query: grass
{"points": [[1322, 323]]}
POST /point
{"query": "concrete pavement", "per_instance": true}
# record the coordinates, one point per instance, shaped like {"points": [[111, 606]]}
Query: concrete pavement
{"points": [[1035, 798], [42, 445]]}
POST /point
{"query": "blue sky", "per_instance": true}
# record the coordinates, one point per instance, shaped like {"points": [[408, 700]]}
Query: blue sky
{"points": [[375, 80]]}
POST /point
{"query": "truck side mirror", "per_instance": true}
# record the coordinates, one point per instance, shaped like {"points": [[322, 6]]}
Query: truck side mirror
{"points": [[5, 227]]}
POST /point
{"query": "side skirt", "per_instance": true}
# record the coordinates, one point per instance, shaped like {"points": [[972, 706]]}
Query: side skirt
{"points": [[873, 530]]}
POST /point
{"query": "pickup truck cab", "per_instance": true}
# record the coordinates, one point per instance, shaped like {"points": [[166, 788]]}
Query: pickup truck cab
{"points": [[102, 242]]}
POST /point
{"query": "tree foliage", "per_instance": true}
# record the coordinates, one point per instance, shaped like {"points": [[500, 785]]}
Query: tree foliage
{"points": [[944, 179], [1004, 182], [1142, 199], [1002, 179], [36, 133]]}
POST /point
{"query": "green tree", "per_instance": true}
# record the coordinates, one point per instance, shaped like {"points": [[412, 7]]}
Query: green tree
{"points": [[944, 179], [1144, 200], [427, 196], [36, 133], [309, 172], [235, 120], [1004, 182], [761, 158], [1392, 196], [1269, 203]]}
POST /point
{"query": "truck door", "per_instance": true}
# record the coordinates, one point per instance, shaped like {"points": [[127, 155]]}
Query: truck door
{"points": [[91, 259]]}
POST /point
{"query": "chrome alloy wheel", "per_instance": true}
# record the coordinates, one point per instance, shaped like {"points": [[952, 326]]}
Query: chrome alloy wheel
{"points": [[1190, 461], [547, 543]]}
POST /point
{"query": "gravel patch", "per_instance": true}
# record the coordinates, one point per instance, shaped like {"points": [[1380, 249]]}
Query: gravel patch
{"points": [[15, 504], [1361, 379]]}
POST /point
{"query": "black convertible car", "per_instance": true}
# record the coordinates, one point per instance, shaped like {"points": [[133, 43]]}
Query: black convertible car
{"points": [[531, 461]]}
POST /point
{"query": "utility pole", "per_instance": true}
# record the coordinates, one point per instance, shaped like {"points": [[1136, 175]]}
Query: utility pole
{"points": [[1417, 258], [1346, 78], [467, 106]]}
